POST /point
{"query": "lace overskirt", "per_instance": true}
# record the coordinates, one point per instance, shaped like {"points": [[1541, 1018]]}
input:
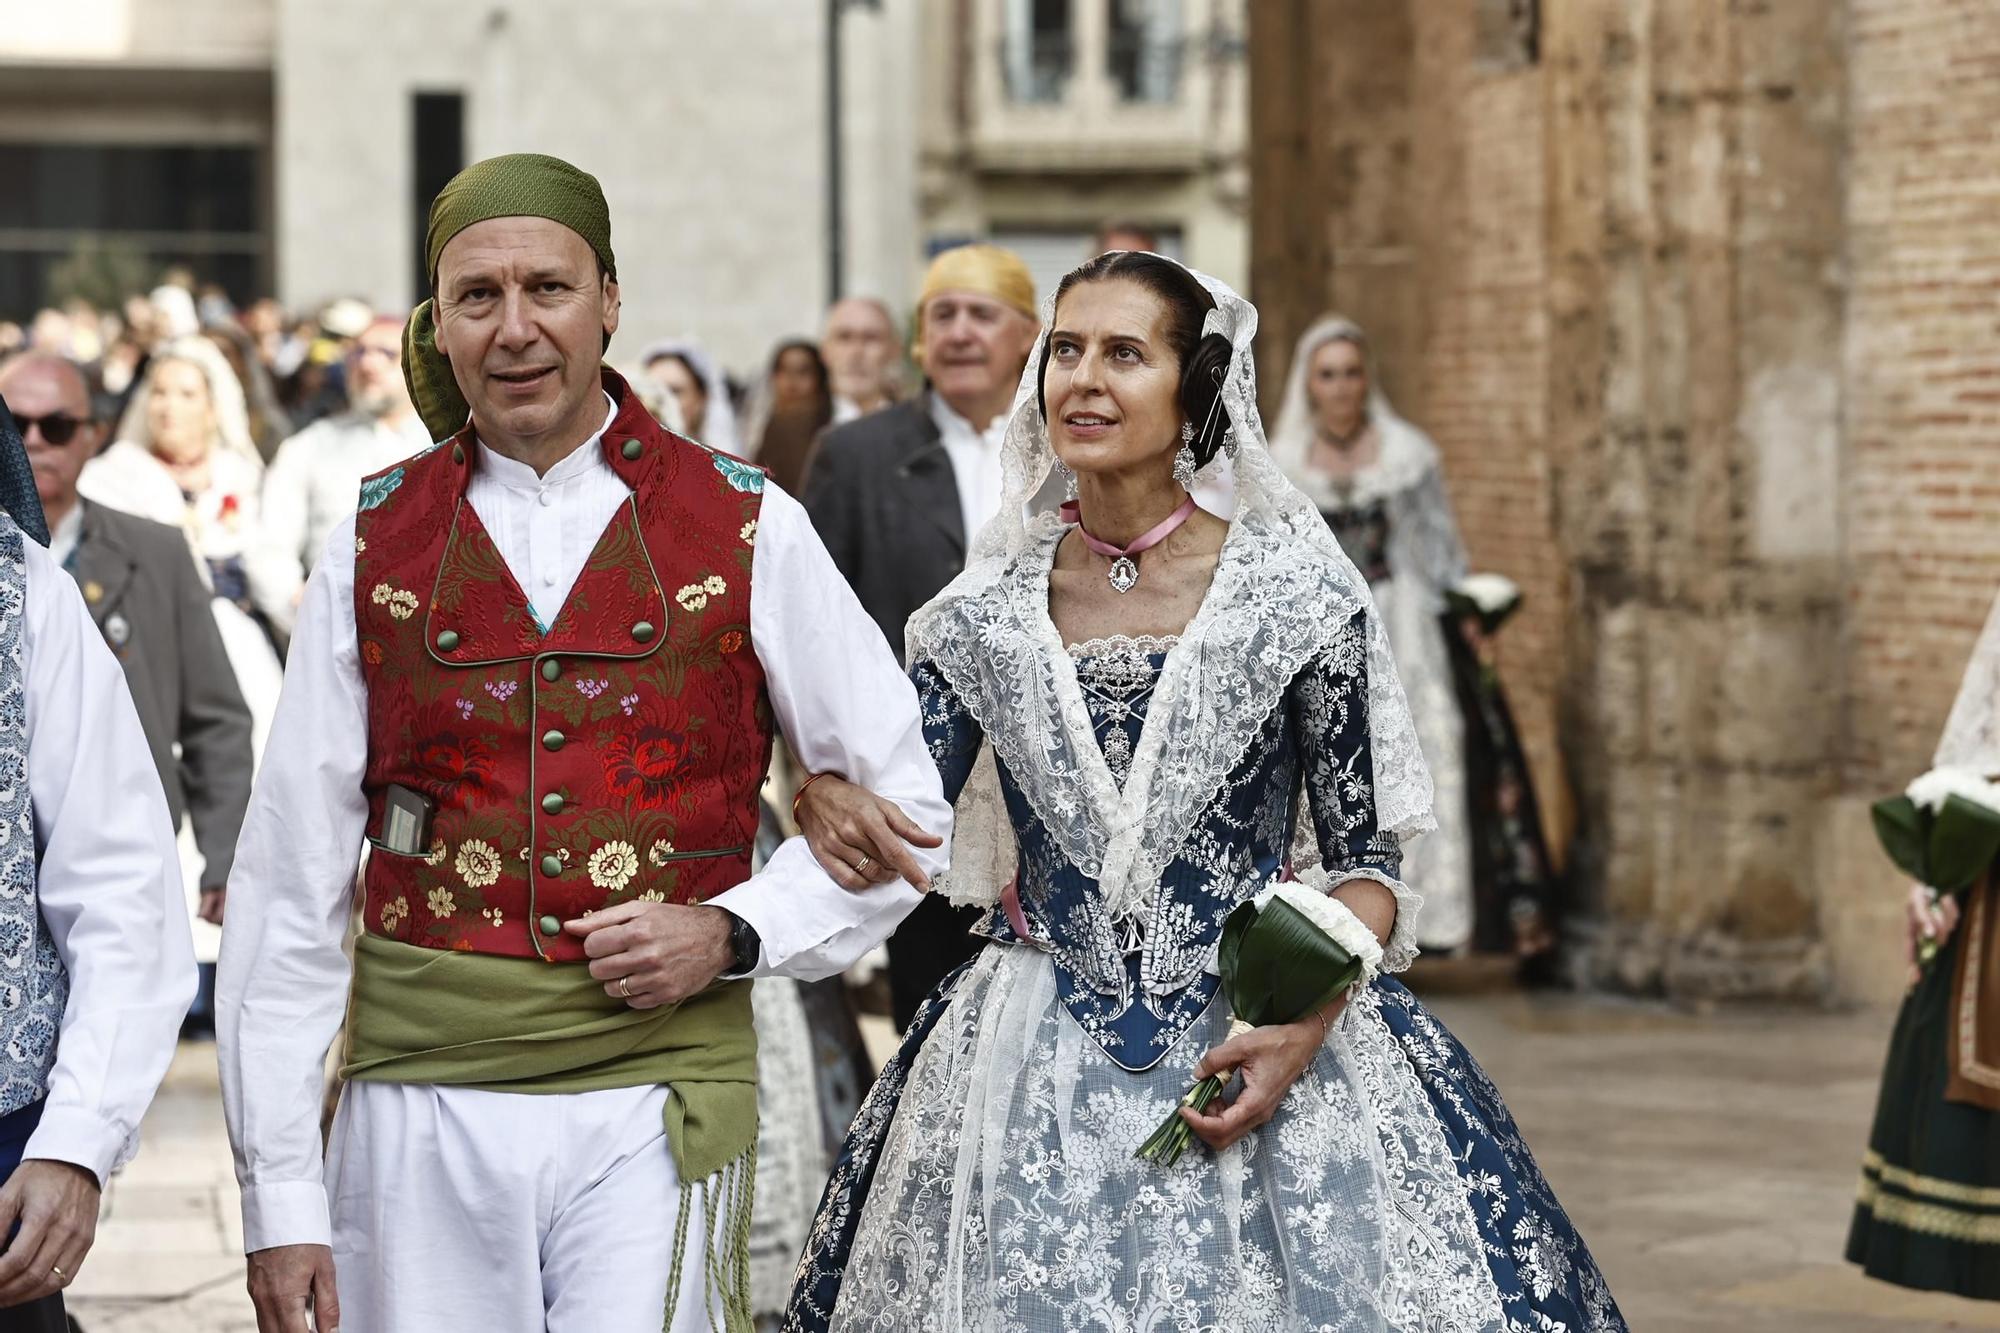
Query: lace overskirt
{"points": [[989, 1183]]}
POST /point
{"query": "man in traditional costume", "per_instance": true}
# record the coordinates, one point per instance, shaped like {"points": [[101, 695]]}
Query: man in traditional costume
{"points": [[539, 671], [96, 965], [897, 496]]}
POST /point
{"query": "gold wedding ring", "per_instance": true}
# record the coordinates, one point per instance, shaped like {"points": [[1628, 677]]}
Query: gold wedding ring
{"points": [[625, 987], [60, 1275], [862, 869]]}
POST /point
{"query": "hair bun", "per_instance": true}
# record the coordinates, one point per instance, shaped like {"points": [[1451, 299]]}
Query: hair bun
{"points": [[1201, 392]]}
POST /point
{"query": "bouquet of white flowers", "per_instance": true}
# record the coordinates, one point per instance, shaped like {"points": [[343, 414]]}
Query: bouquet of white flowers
{"points": [[1284, 954], [1943, 832], [1487, 598]]}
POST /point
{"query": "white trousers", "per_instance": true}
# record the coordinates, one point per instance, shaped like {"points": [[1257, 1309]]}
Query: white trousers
{"points": [[498, 1212]]}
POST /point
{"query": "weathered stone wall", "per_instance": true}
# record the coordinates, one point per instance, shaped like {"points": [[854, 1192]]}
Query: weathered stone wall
{"points": [[1921, 421], [1700, 302]]}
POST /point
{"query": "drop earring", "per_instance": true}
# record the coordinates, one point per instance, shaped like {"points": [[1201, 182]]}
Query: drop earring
{"points": [[1184, 464]]}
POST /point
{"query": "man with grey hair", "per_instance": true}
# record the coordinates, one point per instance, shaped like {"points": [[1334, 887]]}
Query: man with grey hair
{"points": [[96, 967], [859, 345], [147, 599]]}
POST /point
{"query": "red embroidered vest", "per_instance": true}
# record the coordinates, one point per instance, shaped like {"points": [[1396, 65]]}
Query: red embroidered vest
{"points": [[617, 755]]}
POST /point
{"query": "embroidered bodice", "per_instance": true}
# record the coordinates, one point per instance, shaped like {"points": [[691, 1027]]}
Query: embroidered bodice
{"points": [[1362, 529], [1135, 981]]}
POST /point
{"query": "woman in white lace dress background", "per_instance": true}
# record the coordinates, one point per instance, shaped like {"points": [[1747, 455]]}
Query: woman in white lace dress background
{"points": [[1379, 483], [1145, 715]]}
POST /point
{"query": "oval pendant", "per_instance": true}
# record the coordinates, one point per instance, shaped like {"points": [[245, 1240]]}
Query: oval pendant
{"points": [[1124, 573]]}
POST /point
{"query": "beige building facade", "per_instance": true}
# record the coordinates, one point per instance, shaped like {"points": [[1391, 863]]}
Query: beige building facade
{"points": [[289, 146], [1043, 119]]}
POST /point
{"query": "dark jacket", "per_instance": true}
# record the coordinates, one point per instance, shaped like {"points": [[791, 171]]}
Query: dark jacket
{"points": [[884, 499], [139, 581]]}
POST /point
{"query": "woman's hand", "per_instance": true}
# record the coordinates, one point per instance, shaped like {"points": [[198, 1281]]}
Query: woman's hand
{"points": [[1270, 1060], [859, 838], [1926, 916]]}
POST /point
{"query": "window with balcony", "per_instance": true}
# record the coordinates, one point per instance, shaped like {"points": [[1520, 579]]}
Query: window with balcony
{"points": [[1144, 47], [1038, 50]]}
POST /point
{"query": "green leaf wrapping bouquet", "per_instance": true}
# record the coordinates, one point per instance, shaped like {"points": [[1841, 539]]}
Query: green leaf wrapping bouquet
{"points": [[1284, 954], [1943, 832]]}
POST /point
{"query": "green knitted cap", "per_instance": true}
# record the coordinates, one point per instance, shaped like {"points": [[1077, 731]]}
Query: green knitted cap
{"points": [[513, 185]]}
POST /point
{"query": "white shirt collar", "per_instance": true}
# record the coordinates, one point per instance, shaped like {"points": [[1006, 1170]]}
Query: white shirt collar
{"points": [[956, 428], [518, 476], [65, 536]]}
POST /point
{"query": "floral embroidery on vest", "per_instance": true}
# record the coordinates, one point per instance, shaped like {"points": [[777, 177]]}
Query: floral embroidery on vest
{"points": [[566, 765]]}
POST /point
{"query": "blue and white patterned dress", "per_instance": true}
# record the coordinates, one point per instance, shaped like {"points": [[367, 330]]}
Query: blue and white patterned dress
{"points": [[989, 1181]]}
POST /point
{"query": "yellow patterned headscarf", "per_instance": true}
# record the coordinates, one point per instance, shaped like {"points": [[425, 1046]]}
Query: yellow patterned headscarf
{"points": [[986, 269], [515, 185]]}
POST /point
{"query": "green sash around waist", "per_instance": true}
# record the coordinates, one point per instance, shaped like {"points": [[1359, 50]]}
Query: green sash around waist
{"points": [[522, 1025]]}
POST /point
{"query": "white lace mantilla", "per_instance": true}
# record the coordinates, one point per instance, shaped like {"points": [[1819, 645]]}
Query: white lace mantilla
{"points": [[1274, 605], [1282, 591], [1972, 734]]}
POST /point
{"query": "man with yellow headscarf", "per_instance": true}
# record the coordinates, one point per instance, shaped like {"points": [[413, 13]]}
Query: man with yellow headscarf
{"points": [[898, 496], [538, 673]]}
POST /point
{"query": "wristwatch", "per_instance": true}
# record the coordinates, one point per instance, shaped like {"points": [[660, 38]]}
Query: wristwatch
{"points": [[746, 947]]}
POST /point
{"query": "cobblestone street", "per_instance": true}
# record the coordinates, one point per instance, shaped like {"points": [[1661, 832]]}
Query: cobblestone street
{"points": [[1709, 1160]]}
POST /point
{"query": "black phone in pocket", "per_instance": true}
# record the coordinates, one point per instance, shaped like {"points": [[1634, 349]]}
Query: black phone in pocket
{"points": [[406, 821]]}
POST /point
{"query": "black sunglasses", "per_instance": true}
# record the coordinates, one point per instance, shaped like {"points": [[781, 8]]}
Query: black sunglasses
{"points": [[58, 428]]}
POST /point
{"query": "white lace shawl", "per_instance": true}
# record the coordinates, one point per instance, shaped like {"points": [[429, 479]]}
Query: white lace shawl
{"points": [[1282, 594], [1972, 734]]}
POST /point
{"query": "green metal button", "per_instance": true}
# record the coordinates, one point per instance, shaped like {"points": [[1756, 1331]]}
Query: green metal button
{"points": [[644, 631], [551, 669], [552, 804], [552, 739], [552, 865], [549, 925], [632, 449], [458, 453], [447, 640]]}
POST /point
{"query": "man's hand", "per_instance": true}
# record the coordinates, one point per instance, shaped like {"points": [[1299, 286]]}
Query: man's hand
{"points": [[212, 898], [56, 1206], [288, 1282], [848, 827], [650, 954]]}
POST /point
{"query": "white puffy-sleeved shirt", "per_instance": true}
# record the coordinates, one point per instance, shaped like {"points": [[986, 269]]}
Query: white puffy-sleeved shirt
{"points": [[841, 701], [108, 884]]}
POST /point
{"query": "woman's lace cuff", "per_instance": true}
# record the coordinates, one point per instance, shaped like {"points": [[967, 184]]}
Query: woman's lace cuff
{"points": [[1400, 949]]}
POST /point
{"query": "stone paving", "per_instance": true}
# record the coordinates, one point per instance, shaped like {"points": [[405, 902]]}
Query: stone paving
{"points": [[1708, 1158]]}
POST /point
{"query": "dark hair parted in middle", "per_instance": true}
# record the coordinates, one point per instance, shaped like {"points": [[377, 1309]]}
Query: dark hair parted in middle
{"points": [[1204, 361]]}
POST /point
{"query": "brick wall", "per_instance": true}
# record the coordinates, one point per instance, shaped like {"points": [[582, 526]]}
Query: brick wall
{"points": [[1922, 368], [1481, 387]]}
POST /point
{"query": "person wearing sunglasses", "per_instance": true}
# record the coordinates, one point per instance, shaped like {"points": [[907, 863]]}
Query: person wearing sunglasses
{"points": [[96, 968], [147, 599]]}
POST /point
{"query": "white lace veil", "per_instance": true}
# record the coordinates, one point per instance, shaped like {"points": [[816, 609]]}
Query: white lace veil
{"points": [[1972, 734], [1283, 594], [718, 416], [1406, 451], [225, 398]]}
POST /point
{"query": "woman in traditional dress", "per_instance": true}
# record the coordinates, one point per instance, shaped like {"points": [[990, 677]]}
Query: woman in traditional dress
{"points": [[1376, 479], [1929, 1209], [1146, 715]]}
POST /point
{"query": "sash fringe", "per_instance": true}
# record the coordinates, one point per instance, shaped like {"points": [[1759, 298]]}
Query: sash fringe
{"points": [[726, 1200]]}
